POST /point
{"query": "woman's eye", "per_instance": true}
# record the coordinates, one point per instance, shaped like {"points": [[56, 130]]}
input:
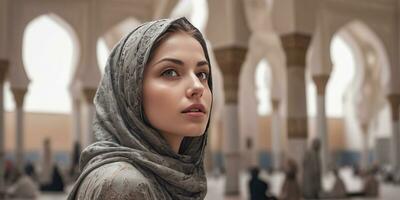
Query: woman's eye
{"points": [[170, 73], [203, 76]]}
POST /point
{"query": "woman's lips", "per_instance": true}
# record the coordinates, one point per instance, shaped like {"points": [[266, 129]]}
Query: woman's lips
{"points": [[195, 114], [197, 107]]}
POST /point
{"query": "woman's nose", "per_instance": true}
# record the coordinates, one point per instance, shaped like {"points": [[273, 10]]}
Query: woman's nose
{"points": [[196, 87]]}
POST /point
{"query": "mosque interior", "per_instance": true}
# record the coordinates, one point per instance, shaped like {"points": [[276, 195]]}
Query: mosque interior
{"points": [[284, 73]]}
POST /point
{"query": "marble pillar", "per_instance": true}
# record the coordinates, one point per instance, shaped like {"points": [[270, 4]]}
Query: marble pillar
{"points": [[19, 96], [394, 100], [77, 120], [295, 46], [216, 143], [364, 147], [276, 135], [230, 60], [321, 121], [47, 162], [88, 137], [3, 72]]}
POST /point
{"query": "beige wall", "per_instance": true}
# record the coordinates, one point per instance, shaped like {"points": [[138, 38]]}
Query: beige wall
{"points": [[335, 129], [38, 126], [264, 141], [58, 127], [336, 134]]}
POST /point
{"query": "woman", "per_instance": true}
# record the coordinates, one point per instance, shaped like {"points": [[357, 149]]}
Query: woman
{"points": [[152, 114]]}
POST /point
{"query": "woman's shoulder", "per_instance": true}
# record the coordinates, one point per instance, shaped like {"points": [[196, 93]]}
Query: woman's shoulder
{"points": [[118, 180]]}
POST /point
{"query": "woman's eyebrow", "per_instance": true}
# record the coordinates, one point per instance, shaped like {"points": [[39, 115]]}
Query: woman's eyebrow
{"points": [[179, 62], [202, 63], [176, 61]]}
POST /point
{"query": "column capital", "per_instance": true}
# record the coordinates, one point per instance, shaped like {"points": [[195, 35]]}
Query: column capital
{"points": [[295, 46], [320, 82], [394, 100], [89, 94], [297, 127], [230, 60], [4, 64], [19, 95]]}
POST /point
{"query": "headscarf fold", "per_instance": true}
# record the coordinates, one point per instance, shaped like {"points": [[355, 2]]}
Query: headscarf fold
{"points": [[120, 127]]}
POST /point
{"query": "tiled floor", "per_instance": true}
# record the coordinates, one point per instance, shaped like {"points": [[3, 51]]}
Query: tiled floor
{"points": [[216, 187], [353, 184]]}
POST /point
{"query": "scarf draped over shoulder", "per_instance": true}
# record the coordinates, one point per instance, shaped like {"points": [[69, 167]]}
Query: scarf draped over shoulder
{"points": [[122, 133]]}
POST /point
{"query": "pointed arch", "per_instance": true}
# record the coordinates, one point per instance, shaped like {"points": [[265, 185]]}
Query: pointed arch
{"points": [[110, 37], [359, 36], [50, 52], [363, 46], [262, 48]]}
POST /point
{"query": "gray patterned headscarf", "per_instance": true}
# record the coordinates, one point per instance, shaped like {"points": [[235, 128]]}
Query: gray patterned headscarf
{"points": [[122, 132]]}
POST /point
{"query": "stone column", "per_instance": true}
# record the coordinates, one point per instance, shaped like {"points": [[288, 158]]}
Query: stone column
{"points": [[321, 122], [47, 163], [276, 135], [216, 143], [19, 96], [3, 71], [230, 60], [76, 113], [365, 146], [88, 137], [295, 46], [394, 100]]}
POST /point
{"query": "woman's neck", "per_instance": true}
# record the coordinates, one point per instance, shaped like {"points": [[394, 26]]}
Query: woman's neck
{"points": [[174, 141]]}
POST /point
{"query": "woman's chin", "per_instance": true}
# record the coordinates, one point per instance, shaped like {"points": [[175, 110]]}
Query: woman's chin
{"points": [[194, 133]]}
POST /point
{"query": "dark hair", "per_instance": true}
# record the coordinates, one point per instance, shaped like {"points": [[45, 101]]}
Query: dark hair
{"points": [[254, 171], [180, 25]]}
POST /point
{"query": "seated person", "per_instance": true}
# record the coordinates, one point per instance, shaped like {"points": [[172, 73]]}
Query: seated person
{"points": [[257, 187], [290, 189], [56, 184], [371, 184], [339, 189], [24, 187]]}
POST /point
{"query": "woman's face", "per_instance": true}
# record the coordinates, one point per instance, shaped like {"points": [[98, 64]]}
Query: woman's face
{"points": [[177, 97]]}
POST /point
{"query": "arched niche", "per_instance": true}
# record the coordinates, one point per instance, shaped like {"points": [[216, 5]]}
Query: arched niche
{"points": [[251, 122], [360, 46], [50, 52], [357, 17], [370, 54]]}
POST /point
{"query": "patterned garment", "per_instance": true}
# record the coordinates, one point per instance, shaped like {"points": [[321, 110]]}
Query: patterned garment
{"points": [[117, 180], [130, 159]]}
